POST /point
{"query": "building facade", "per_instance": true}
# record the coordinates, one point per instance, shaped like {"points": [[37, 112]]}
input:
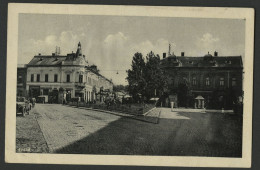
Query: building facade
{"points": [[21, 80], [70, 74], [206, 81]]}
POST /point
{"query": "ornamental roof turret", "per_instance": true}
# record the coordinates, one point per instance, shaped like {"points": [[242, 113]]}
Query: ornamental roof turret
{"points": [[79, 52]]}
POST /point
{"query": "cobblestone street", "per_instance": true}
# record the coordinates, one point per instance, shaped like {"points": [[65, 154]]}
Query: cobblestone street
{"points": [[29, 137], [74, 130]]}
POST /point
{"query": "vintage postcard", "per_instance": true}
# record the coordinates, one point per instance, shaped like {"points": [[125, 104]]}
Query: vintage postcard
{"points": [[129, 85]]}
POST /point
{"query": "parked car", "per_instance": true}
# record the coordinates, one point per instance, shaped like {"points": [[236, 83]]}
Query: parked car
{"points": [[42, 99], [22, 105]]}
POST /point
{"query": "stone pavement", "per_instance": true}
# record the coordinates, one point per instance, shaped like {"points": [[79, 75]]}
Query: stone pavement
{"points": [[63, 125], [79, 131], [29, 137]]}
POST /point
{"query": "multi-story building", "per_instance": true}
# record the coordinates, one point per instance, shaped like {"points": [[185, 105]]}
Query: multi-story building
{"points": [[21, 80], [50, 75], [205, 81]]}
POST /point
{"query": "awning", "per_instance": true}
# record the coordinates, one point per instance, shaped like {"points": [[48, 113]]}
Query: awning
{"points": [[199, 98]]}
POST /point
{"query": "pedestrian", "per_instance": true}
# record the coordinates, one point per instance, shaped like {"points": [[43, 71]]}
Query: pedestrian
{"points": [[64, 98]]}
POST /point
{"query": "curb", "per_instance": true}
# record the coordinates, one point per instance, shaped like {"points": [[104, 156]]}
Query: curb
{"points": [[149, 111], [50, 149], [118, 114]]}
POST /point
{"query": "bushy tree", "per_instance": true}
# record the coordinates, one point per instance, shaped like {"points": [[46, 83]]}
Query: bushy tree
{"points": [[135, 77], [154, 76], [146, 79], [120, 87]]}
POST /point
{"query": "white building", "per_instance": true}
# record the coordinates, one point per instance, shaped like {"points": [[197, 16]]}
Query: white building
{"points": [[52, 74]]}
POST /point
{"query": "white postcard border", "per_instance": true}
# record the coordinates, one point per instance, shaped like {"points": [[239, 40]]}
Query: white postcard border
{"points": [[14, 9]]}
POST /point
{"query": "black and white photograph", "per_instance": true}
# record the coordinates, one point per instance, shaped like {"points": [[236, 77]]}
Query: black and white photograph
{"points": [[123, 83]]}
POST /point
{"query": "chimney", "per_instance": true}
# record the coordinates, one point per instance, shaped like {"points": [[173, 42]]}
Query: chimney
{"points": [[169, 52], [164, 55], [182, 54], [215, 53]]}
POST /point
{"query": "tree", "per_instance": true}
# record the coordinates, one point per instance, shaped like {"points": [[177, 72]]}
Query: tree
{"points": [[135, 77], [154, 76], [120, 87], [146, 79]]}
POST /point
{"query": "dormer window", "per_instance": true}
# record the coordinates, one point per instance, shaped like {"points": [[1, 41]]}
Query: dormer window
{"points": [[228, 62]]}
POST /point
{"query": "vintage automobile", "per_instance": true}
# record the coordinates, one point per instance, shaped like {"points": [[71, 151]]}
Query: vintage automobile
{"points": [[42, 99], [22, 105]]}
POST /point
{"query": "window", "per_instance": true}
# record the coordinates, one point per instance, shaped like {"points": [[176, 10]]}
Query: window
{"points": [[194, 81], [20, 79], [68, 78], [32, 78], [234, 82], [89, 80], [80, 78], [55, 77], [207, 81], [38, 78], [221, 81], [46, 77]]}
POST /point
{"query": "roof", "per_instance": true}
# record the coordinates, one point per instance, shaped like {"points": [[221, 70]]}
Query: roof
{"points": [[97, 73], [205, 61], [71, 59], [21, 65], [48, 60]]}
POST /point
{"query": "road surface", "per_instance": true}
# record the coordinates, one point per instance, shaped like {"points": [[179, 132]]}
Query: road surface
{"points": [[73, 130]]}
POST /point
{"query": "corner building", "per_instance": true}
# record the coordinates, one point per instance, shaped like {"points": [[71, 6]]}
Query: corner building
{"points": [[70, 74], [203, 82]]}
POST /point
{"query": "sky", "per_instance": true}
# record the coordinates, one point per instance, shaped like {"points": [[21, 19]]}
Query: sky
{"points": [[111, 41]]}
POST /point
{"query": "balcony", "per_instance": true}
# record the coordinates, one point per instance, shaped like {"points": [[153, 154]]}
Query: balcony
{"points": [[82, 85]]}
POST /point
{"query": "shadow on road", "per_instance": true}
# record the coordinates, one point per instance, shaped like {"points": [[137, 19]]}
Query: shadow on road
{"points": [[202, 134]]}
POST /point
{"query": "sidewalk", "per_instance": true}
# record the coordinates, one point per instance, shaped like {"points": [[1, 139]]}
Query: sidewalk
{"points": [[152, 116], [201, 110]]}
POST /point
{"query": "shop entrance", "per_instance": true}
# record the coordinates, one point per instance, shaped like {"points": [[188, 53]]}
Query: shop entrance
{"points": [[34, 91]]}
